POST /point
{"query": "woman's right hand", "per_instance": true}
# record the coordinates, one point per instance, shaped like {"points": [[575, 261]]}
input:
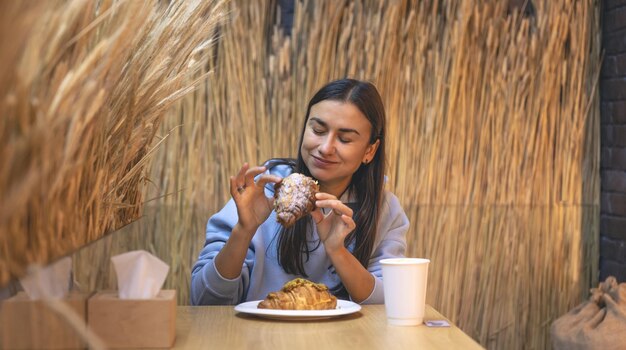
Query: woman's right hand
{"points": [[253, 207]]}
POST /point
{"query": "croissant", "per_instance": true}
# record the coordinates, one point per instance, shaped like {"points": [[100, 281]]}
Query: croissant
{"points": [[300, 294], [294, 198]]}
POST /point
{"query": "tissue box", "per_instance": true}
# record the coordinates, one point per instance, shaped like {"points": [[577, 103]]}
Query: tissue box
{"points": [[30, 324], [133, 323]]}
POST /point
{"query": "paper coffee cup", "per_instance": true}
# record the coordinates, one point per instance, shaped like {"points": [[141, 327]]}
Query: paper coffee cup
{"points": [[404, 284]]}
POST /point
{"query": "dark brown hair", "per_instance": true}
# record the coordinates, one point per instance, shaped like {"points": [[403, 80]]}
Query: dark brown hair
{"points": [[366, 184]]}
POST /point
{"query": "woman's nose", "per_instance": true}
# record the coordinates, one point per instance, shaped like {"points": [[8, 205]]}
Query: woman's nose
{"points": [[327, 146]]}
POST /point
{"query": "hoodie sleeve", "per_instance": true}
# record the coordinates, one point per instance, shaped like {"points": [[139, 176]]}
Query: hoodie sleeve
{"points": [[208, 287], [391, 243]]}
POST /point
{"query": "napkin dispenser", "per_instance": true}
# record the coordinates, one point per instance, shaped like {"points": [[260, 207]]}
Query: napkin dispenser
{"points": [[133, 323], [27, 320], [30, 324], [139, 314]]}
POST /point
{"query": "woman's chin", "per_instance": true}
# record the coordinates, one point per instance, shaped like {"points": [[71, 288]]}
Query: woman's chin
{"points": [[318, 174]]}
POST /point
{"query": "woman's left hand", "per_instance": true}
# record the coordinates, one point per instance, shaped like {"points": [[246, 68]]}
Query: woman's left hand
{"points": [[334, 226]]}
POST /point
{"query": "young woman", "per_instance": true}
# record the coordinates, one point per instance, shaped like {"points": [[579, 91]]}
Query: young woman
{"points": [[247, 254]]}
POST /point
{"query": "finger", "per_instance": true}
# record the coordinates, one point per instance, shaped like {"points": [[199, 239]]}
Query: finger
{"points": [[233, 187], [349, 222], [317, 216], [336, 205], [251, 173], [264, 179], [241, 175], [324, 195]]}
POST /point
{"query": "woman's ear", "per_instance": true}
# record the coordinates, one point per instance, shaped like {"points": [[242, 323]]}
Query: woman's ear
{"points": [[370, 152]]}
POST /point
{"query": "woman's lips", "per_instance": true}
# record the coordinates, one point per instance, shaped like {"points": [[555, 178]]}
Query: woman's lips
{"points": [[322, 163]]}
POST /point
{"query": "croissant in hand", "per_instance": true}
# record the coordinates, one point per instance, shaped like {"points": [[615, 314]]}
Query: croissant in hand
{"points": [[300, 294], [294, 198]]}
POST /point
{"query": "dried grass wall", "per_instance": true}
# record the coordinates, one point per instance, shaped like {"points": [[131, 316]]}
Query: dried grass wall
{"points": [[493, 142], [493, 145]]}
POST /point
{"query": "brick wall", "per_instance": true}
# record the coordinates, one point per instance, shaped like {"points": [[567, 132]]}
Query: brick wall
{"points": [[613, 142]]}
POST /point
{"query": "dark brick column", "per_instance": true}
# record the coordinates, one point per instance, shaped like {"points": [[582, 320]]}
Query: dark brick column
{"points": [[613, 142]]}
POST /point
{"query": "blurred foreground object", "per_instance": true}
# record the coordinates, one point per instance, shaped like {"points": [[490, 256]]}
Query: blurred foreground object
{"points": [[84, 86]]}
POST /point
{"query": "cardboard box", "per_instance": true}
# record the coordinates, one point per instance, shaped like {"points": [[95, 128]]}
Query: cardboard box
{"points": [[133, 323], [31, 324]]}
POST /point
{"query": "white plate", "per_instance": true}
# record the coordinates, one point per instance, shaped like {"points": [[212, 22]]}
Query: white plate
{"points": [[344, 307]]}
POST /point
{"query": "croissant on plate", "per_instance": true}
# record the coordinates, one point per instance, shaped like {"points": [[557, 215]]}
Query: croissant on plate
{"points": [[294, 198], [300, 294]]}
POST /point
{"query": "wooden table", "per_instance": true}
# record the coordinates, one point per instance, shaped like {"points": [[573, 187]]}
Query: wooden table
{"points": [[220, 327]]}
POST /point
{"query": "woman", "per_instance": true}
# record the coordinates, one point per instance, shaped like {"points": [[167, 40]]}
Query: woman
{"points": [[247, 254]]}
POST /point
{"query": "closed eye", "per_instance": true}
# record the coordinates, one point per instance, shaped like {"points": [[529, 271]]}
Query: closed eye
{"points": [[342, 140], [318, 127]]}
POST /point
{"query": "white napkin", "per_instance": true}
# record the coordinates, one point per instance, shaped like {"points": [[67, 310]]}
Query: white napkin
{"points": [[140, 275], [52, 281]]}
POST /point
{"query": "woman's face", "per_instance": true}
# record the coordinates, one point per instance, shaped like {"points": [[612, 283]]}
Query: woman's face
{"points": [[336, 142]]}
